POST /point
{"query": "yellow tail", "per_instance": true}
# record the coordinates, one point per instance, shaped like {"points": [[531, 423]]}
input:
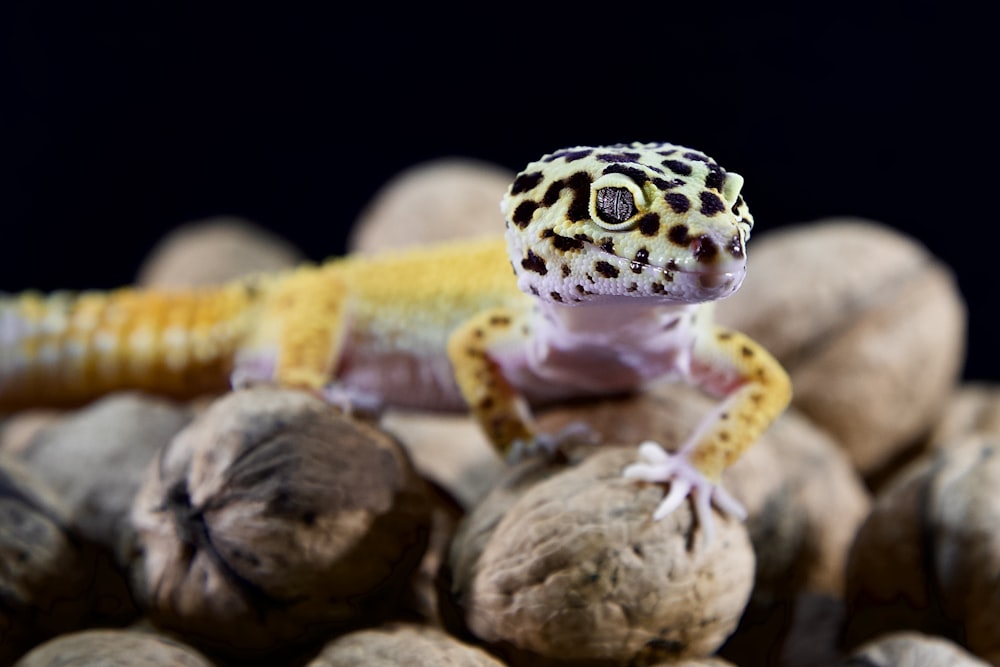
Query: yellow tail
{"points": [[65, 349]]}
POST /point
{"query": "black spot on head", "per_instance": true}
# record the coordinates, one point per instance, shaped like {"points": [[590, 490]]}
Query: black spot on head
{"points": [[641, 260], [658, 288], [706, 249], [633, 287], [565, 243], [608, 245], [523, 212], [716, 178], [565, 270], [637, 175], [525, 182], [664, 184], [552, 192], [667, 152], [678, 203], [649, 224], [679, 234], [618, 157], [711, 203], [693, 155], [534, 263], [579, 208], [678, 167], [570, 155], [606, 269], [556, 296]]}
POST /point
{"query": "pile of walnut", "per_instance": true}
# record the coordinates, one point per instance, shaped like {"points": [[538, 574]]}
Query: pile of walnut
{"points": [[266, 527]]}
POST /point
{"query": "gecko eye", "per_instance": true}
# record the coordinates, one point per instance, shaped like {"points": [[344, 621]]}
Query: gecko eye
{"points": [[615, 202], [615, 205]]}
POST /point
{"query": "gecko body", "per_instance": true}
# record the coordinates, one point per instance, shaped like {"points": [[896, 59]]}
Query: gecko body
{"points": [[603, 283]]}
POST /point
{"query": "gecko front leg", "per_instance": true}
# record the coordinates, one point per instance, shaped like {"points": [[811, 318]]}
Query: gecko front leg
{"points": [[756, 390]]}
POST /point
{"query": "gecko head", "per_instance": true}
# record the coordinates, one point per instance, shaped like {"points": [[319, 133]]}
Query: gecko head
{"points": [[656, 221]]}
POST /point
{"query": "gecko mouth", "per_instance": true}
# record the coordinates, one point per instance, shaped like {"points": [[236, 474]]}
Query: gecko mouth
{"points": [[686, 280]]}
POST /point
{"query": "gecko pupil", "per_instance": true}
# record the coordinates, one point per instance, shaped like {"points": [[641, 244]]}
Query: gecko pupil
{"points": [[615, 205]]}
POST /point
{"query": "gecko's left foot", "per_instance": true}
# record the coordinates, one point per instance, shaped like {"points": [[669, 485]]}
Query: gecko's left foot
{"points": [[661, 467]]}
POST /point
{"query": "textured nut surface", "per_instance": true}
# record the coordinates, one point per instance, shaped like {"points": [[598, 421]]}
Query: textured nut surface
{"points": [[786, 481], [868, 323], [212, 251], [974, 409], [113, 648], [912, 649], [51, 581], [412, 645], [927, 557], [434, 201], [572, 567], [273, 519], [95, 458]]}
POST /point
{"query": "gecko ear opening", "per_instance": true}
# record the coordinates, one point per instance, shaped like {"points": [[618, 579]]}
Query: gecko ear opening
{"points": [[616, 202]]}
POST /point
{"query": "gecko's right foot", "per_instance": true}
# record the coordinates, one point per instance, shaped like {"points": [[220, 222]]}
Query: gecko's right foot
{"points": [[660, 466]]}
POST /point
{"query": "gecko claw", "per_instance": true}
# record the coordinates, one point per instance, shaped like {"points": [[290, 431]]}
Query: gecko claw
{"points": [[658, 466]]}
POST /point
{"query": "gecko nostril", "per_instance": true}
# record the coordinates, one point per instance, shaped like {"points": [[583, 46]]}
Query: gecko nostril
{"points": [[735, 246], [704, 248]]}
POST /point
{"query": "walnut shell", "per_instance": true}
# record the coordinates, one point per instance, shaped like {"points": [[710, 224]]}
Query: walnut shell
{"points": [[433, 201], [401, 644], [213, 251], [572, 567], [113, 648], [273, 519], [974, 409], [927, 557], [870, 326], [95, 458], [912, 649], [52, 581], [785, 481]]}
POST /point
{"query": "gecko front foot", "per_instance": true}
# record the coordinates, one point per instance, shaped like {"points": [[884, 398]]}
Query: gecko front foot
{"points": [[661, 467]]}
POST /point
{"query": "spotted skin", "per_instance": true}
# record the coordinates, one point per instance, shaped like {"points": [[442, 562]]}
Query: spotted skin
{"points": [[617, 253]]}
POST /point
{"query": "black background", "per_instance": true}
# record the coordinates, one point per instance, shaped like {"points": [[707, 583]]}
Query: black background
{"points": [[122, 120]]}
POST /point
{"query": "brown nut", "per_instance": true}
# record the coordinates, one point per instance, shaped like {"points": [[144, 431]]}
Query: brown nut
{"points": [[213, 251], [111, 648], [926, 558], [869, 325], [572, 567], [401, 644], [95, 458], [912, 649], [785, 481], [272, 520], [434, 201], [51, 580], [974, 409]]}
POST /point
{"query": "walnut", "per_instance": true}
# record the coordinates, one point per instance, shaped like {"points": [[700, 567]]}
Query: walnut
{"points": [[926, 558], [213, 251], [401, 644], [433, 201], [51, 580], [912, 649], [110, 648], [567, 564], [866, 321], [973, 409], [94, 458], [273, 519]]}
